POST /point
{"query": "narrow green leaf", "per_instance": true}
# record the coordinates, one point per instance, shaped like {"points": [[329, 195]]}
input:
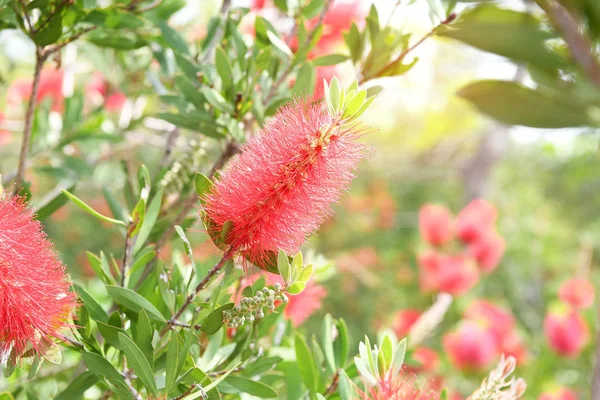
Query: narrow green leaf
{"points": [[279, 44], [306, 363], [329, 59], [224, 69], [134, 301], [214, 321], [305, 80], [90, 210], [95, 310], [203, 186], [43, 211], [172, 362], [149, 221], [138, 362], [327, 340], [251, 387], [173, 38], [144, 334], [100, 367], [77, 387], [346, 389]]}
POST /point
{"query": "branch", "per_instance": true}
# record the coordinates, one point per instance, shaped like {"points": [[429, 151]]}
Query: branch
{"points": [[129, 243], [39, 63], [578, 43], [218, 34], [55, 47], [214, 271], [333, 385]]}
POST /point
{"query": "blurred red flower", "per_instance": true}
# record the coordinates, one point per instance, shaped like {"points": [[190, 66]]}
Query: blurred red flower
{"points": [[100, 92], [566, 331], [435, 224], [404, 320], [477, 218], [559, 394], [499, 320], [35, 299], [577, 292], [50, 86], [427, 358], [5, 136], [454, 274], [488, 250], [470, 346], [301, 306]]}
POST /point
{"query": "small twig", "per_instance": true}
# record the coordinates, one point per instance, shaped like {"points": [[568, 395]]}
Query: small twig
{"points": [[578, 43], [129, 243], [39, 64], [49, 17], [333, 385], [169, 144], [210, 50], [73, 343], [190, 390], [130, 387], [214, 271], [188, 326], [55, 47], [288, 70]]}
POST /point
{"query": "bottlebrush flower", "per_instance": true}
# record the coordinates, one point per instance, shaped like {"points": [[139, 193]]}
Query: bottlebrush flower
{"points": [[488, 250], [279, 189], [478, 217], [577, 292], [404, 320], [400, 387], [50, 86], [559, 394], [566, 331], [499, 320], [435, 224], [454, 274], [99, 91], [5, 136], [35, 300], [427, 359], [471, 347], [301, 306]]}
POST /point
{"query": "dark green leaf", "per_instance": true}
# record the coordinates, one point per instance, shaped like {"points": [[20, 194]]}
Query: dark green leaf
{"points": [[203, 186], [214, 320], [77, 387], [138, 362], [50, 32], [149, 221], [252, 387], [90, 210], [173, 39], [172, 363], [306, 364], [134, 301], [51, 205], [95, 310], [143, 336], [511, 103]]}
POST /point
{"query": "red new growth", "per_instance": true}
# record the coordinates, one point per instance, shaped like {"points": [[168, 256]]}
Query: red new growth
{"points": [[35, 300]]}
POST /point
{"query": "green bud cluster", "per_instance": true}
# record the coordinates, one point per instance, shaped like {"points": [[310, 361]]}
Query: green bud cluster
{"points": [[183, 169], [252, 308]]}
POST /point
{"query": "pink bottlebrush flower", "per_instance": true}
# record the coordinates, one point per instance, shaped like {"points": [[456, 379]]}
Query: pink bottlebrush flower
{"points": [[50, 86], [512, 345], [454, 274], [566, 331], [397, 387], [560, 393], [5, 136], [404, 320], [477, 218], [114, 102], [302, 306], [488, 250], [435, 224], [427, 358], [35, 300], [577, 292], [471, 347], [99, 91], [279, 189], [498, 319]]}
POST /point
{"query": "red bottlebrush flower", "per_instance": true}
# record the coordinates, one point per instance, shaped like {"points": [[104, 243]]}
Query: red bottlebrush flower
{"points": [[302, 306], [35, 300], [427, 358], [404, 320], [280, 188], [435, 224], [5, 136], [478, 217], [322, 74], [488, 250], [559, 394], [577, 292], [114, 101], [50, 86], [99, 91], [471, 347], [512, 345], [566, 331], [258, 4], [447, 273], [397, 387], [499, 320]]}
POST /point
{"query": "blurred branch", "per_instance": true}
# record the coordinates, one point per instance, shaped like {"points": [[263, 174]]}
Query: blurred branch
{"points": [[210, 50], [579, 44]]}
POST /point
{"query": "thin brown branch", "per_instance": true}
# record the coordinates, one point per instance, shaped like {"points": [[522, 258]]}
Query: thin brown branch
{"points": [[187, 392], [579, 44], [210, 50], [333, 385], [211, 274], [129, 243], [56, 47], [39, 64]]}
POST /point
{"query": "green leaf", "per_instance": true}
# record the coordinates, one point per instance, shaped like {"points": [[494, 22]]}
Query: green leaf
{"points": [[341, 346], [173, 39], [149, 221], [386, 352], [203, 186], [144, 334], [513, 34], [190, 92], [328, 342], [95, 310], [134, 301], [172, 362], [117, 41], [354, 41], [46, 209], [137, 217], [138, 362], [306, 363], [100, 367], [283, 264], [305, 81], [217, 100], [330, 59], [296, 288], [50, 33], [77, 387], [224, 68], [346, 389], [90, 210], [252, 387], [279, 44], [212, 385], [187, 244], [214, 321], [513, 104], [110, 333], [193, 122]]}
